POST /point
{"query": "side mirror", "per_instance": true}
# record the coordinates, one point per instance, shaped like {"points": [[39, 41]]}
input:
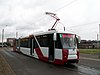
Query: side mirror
{"points": [[54, 37], [78, 38]]}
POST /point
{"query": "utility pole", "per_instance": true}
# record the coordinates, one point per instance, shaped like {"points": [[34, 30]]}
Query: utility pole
{"points": [[99, 36], [99, 32], [16, 34], [98, 41], [2, 36]]}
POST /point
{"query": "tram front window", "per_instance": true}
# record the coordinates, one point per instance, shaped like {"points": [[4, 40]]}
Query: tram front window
{"points": [[68, 40]]}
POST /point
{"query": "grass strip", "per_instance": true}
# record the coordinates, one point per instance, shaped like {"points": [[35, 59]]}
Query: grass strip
{"points": [[90, 51]]}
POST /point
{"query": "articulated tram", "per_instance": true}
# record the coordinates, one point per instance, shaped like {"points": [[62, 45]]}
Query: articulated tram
{"points": [[51, 46]]}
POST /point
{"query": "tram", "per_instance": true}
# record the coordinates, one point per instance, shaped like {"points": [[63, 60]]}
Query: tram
{"points": [[52, 46]]}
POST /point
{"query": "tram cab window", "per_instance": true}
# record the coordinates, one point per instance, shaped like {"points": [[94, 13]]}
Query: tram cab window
{"points": [[58, 42], [68, 40]]}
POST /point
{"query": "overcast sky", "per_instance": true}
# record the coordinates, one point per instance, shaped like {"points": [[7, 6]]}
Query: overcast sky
{"points": [[81, 17]]}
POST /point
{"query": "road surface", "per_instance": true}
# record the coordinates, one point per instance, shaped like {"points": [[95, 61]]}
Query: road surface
{"points": [[24, 65]]}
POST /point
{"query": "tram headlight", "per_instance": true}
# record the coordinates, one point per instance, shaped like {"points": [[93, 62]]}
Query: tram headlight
{"points": [[65, 54]]}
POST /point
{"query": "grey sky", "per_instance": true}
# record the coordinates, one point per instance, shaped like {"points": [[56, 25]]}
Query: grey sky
{"points": [[27, 16]]}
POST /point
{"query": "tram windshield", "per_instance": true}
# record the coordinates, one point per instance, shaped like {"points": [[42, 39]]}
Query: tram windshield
{"points": [[68, 40]]}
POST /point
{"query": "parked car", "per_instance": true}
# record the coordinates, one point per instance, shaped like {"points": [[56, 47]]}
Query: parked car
{"points": [[4, 45]]}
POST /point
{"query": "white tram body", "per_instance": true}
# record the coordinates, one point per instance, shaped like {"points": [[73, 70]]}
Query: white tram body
{"points": [[51, 46]]}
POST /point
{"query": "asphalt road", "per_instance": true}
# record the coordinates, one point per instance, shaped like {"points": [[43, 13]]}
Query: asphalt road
{"points": [[24, 65], [92, 61]]}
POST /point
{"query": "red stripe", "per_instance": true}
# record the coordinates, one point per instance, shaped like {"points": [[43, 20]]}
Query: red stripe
{"points": [[40, 55]]}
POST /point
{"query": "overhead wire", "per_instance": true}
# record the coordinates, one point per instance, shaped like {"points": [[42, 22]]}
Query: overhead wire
{"points": [[60, 9], [85, 24], [64, 6], [74, 25]]}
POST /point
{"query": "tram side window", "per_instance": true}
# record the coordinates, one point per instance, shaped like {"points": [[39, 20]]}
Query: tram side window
{"points": [[43, 40], [25, 43]]}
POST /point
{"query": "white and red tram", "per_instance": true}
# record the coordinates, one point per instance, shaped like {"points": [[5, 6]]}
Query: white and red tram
{"points": [[51, 46]]}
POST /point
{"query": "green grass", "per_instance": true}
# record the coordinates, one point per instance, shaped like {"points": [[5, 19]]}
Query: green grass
{"points": [[89, 51]]}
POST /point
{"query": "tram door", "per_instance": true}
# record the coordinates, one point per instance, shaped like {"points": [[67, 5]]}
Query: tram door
{"points": [[31, 46], [51, 47]]}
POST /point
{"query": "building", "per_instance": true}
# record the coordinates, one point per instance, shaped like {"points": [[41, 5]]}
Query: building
{"points": [[88, 44], [10, 41]]}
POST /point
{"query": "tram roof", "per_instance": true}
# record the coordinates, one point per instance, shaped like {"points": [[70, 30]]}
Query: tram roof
{"points": [[50, 32], [47, 32]]}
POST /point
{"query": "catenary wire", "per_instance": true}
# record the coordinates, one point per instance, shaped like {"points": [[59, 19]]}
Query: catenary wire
{"points": [[64, 6]]}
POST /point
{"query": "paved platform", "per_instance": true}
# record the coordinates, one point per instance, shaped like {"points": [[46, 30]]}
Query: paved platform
{"points": [[5, 68]]}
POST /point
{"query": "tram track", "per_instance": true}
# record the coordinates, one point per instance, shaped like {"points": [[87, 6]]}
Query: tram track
{"points": [[74, 68], [81, 69]]}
